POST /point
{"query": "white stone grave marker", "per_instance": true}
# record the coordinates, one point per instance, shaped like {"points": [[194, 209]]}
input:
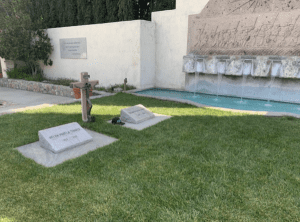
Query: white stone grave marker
{"points": [[136, 114], [60, 138]]}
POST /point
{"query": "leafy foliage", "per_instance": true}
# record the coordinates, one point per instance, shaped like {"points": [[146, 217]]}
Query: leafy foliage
{"points": [[162, 5], [24, 73], [99, 11], [53, 19], [84, 12], [128, 10], [62, 13], [70, 13], [21, 38], [112, 10]]}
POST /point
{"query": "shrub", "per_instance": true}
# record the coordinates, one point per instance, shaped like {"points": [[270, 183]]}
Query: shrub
{"points": [[17, 73], [24, 73]]}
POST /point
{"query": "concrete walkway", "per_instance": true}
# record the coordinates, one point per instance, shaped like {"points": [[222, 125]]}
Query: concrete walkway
{"points": [[15, 100]]}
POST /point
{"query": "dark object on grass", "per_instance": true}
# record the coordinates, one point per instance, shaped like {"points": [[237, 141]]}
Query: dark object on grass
{"points": [[116, 120]]}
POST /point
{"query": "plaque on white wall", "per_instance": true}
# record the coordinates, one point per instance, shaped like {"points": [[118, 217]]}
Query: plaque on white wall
{"points": [[74, 48]]}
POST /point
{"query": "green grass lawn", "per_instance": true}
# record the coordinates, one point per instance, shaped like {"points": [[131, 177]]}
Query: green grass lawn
{"points": [[200, 165]]}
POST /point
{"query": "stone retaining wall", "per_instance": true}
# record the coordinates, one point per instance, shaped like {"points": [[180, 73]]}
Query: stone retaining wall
{"points": [[41, 87]]}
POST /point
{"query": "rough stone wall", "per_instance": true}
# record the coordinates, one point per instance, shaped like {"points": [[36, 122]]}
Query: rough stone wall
{"points": [[217, 8], [246, 27], [37, 87]]}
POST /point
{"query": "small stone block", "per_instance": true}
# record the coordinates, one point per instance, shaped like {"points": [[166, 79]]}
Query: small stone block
{"points": [[136, 114], [188, 64], [118, 90], [60, 138]]}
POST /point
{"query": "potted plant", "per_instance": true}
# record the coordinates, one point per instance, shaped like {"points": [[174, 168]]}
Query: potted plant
{"points": [[77, 93]]}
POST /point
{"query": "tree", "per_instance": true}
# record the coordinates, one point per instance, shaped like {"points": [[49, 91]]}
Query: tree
{"points": [[163, 5], [70, 11], [13, 8], [99, 11], [128, 10], [35, 11], [20, 37], [61, 13], [144, 9], [112, 10], [53, 21], [80, 11]]}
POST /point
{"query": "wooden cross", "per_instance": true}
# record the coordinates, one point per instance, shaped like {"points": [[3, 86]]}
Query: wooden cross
{"points": [[85, 87]]}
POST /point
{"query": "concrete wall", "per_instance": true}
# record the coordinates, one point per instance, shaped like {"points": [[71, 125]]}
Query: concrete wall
{"points": [[171, 42], [147, 43], [114, 51], [5, 65], [3, 68], [148, 54], [9, 64]]}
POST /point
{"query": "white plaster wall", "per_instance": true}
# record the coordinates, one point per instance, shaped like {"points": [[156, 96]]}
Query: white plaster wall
{"points": [[113, 53], [171, 42], [3, 68], [147, 54], [9, 64]]}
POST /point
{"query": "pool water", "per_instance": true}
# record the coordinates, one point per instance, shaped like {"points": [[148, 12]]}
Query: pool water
{"points": [[226, 101]]}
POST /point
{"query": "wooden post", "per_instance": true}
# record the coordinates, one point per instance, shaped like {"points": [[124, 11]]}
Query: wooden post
{"points": [[84, 86], [125, 81], [83, 96]]}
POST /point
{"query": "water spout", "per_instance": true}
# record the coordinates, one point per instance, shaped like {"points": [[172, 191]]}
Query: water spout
{"points": [[243, 86], [219, 82], [196, 84], [269, 93], [246, 68], [221, 69], [275, 71]]}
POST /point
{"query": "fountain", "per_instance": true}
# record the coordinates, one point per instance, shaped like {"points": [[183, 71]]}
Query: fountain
{"points": [[248, 52], [236, 73], [196, 83], [275, 71], [221, 70], [270, 87], [219, 82], [243, 86]]}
